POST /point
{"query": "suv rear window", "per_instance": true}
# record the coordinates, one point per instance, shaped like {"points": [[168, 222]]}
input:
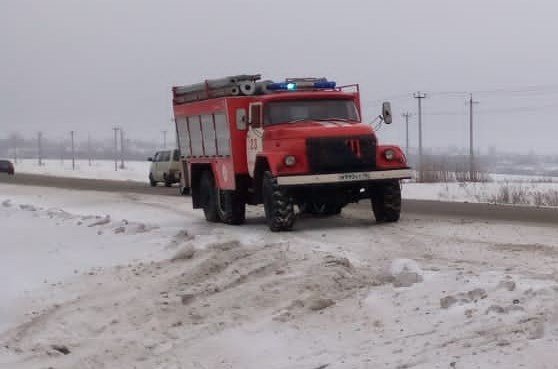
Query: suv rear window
{"points": [[164, 156], [4, 164]]}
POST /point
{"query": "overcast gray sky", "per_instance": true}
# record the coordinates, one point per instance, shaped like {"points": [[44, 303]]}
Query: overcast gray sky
{"points": [[90, 65]]}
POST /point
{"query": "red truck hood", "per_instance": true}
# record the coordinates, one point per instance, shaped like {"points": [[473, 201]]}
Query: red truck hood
{"points": [[307, 129]]}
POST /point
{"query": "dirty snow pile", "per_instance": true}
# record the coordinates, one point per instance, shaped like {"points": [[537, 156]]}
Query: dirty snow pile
{"points": [[165, 289]]}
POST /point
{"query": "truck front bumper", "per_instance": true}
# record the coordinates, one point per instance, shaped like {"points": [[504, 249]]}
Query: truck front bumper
{"points": [[377, 175]]}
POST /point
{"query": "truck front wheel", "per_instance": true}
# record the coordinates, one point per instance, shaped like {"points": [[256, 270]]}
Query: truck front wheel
{"points": [[386, 201], [278, 206], [209, 197]]}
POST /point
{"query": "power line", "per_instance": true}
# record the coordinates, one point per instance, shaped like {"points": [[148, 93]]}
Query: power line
{"points": [[547, 89], [521, 89], [495, 110], [387, 98]]}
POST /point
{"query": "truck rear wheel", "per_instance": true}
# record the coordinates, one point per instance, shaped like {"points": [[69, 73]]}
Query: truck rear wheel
{"points": [[209, 197], [386, 201], [232, 209], [278, 206]]}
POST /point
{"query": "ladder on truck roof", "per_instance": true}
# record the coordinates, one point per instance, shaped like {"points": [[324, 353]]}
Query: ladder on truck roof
{"points": [[242, 84], [247, 85]]}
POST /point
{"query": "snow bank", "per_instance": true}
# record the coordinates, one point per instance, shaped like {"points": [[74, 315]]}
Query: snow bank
{"points": [[99, 169], [341, 292]]}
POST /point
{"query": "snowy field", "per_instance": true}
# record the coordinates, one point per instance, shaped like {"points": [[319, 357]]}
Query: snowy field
{"points": [[99, 169], [521, 190], [102, 280]]}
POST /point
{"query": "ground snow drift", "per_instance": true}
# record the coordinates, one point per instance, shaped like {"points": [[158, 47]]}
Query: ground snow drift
{"points": [[340, 292]]}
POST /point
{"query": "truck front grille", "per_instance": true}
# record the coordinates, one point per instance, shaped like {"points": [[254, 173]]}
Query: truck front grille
{"points": [[341, 154]]}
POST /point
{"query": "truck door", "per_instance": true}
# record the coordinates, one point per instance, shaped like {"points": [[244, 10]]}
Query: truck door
{"points": [[254, 136]]}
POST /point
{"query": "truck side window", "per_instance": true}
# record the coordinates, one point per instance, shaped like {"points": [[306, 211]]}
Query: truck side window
{"points": [[241, 119], [183, 137], [223, 133], [195, 135], [256, 115], [208, 133]]}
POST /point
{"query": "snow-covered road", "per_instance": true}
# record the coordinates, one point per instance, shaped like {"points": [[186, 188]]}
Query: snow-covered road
{"points": [[122, 281]]}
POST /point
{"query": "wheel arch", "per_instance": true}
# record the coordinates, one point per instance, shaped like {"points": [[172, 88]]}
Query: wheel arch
{"points": [[196, 171], [262, 165]]}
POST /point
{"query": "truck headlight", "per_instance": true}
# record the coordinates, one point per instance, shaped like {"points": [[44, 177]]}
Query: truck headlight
{"points": [[290, 161], [389, 154]]}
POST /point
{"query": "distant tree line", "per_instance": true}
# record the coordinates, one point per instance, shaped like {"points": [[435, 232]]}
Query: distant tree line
{"points": [[450, 160], [17, 146], [451, 163]]}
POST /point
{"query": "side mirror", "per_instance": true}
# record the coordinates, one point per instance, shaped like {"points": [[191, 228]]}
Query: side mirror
{"points": [[149, 159], [386, 112]]}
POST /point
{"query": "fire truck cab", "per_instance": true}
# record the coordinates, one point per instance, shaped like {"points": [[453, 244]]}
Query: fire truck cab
{"points": [[300, 144]]}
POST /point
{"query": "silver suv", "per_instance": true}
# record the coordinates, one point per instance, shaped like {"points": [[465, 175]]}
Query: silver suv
{"points": [[165, 167]]}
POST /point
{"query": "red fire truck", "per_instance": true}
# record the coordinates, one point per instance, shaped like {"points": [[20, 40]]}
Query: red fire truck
{"points": [[300, 144]]}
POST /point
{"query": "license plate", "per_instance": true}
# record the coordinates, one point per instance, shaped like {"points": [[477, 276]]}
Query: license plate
{"points": [[354, 176]]}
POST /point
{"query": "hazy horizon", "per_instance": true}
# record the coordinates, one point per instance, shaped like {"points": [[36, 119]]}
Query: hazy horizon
{"points": [[89, 66]]}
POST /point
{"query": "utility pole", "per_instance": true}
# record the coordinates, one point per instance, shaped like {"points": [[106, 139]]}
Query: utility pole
{"points": [[164, 132], [472, 176], [14, 143], [407, 115], [73, 151], [62, 149], [40, 148], [121, 148], [115, 129], [89, 148], [419, 96]]}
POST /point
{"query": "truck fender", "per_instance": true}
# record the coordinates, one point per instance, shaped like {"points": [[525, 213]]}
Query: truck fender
{"points": [[399, 160], [273, 160]]}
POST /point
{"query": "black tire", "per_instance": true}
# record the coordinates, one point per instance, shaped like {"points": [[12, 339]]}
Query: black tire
{"points": [[386, 201], [209, 197], [167, 180], [322, 208], [232, 208], [184, 191], [152, 181], [278, 206]]}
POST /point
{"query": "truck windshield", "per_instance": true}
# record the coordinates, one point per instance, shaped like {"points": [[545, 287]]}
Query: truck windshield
{"points": [[289, 111]]}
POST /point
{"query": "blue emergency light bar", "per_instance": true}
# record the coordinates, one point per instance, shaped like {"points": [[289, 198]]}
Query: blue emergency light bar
{"points": [[293, 86]]}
